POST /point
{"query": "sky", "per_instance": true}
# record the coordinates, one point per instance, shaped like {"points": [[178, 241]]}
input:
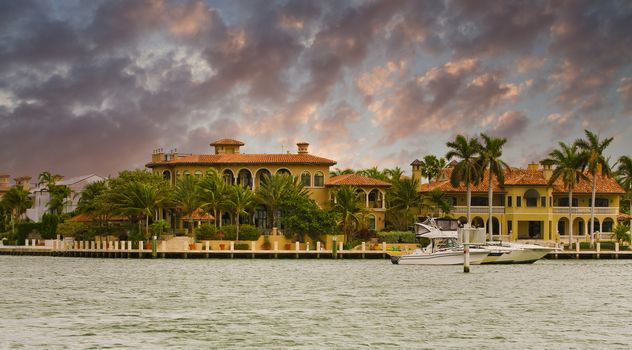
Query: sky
{"points": [[96, 86]]}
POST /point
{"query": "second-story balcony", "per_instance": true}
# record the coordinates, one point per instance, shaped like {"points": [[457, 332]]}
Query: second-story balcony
{"points": [[586, 210], [461, 209]]}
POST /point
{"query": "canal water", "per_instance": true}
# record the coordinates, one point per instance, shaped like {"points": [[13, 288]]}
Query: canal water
{"points": [[79, 303]]}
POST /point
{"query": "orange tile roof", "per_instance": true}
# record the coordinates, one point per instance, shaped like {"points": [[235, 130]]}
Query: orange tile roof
{"points": [[526, 177], [83, 217], [214, 159], [198, 215], [227, 142], [356, 180]]}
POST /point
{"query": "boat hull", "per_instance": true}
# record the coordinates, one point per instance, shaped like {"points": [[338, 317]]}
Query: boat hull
{"points": [[440, 258], [515, 254]]}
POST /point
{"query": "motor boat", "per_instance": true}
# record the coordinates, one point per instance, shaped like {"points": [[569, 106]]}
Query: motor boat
{"points": [[444, 248], [499, 252]]}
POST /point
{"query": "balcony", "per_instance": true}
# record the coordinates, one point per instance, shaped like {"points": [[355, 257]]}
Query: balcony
{"points": [[586, 210], [478, 210]]}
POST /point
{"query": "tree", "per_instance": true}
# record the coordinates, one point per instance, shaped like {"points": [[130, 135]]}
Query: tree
{"points": [[467, 169], [440, 202], [136, 198], [622, 233], [47, 179], [59, 195], [624, 176], [241, 199], [567, 163], [275, 189], [214, 194], [347, 204], [187, 199], [594, 160], [403, 202], [374, 173], [489, 160], [301, 215], [431, 167], [338, 172], [394, 174], [16, 200]]}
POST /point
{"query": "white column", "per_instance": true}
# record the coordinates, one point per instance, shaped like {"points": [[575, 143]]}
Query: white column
{"points": [[318, 246], [206, 245], [232, 246], [116, 245], [363, 246], [140, 245], [298, 246], [252, 245], [340, 246]]}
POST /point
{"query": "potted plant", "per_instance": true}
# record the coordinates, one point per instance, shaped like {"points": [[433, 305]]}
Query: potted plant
{"points": [[220, 235]]}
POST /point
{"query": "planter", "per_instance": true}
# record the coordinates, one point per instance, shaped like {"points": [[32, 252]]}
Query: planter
{"points": [[222, 246], [288, 246]]}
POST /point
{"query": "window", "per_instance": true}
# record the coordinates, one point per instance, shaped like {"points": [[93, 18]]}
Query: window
{"points": [[510, 201], [563, 202], [509, 226], [518, 201], [599, 202], [187, 173], [531, 197], [319, 179], [543, 202], [371, 223], [198, 173], [454, 201], [306, 179], [480, 201]]}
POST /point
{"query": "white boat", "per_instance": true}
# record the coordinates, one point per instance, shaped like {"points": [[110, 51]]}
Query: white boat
{"points": [[444, 249], [499, 252], [514, 253]]}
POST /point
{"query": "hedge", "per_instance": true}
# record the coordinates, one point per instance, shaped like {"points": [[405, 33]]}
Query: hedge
{"points": [[397, 237], [206, 232], [246, 233]]}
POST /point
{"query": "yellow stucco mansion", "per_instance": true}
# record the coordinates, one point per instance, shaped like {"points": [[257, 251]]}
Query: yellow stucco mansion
{"points": [[526, 207], [249, 169]]}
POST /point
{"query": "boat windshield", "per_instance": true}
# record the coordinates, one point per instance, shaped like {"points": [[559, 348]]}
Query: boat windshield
{"points": [[445, 243], [447, 224]]}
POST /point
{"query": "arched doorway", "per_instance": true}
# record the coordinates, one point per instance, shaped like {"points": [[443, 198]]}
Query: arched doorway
{"points": [[579, 227], [375, 199], [229, 177], [478, 222], [362, 196], [608, 225], [261, 175], [596, 226], [244, 178], [562, 226], [495, 226], [166, 175]]}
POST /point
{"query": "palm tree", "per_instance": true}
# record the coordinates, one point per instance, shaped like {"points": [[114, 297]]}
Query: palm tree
{"points": [[490, 161], [338, 172], [58, 198], [568, 166], [467, 169], [439, 201], [403, 196], [186, 198], [137, 198], [348, 204], [394, 174], [16, 200], [374, 173], [214, 194], [431, 167], [274, 190], [624, 176], [241, 199], [593, 159], [48, 179]]}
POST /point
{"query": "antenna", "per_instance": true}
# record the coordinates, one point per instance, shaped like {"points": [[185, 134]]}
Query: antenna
{"points": [[282, 149]]}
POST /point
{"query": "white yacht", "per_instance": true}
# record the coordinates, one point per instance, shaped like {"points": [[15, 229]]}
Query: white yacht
{"points": [[444, 248], [500, 252]]}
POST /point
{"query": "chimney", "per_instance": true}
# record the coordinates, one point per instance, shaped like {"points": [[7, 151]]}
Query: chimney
{"points": [[547, 172], [302, 147], [24, 182], [157, 155], [533, 167]]}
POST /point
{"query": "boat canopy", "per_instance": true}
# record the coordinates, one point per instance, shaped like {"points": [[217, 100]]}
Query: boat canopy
{"points": [[426, 231]]}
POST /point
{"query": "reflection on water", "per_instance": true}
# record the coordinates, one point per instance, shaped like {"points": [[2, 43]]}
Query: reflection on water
{"points": [[69, 303]]}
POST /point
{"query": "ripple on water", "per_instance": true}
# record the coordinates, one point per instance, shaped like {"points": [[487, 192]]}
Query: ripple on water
{"points": [[63, 303]]}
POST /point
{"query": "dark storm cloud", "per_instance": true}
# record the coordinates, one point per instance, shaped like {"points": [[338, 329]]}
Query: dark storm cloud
{"points": [[107, 82]]}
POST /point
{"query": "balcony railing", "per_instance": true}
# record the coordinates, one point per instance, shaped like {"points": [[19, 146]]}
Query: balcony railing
{"points": [[586, 210], [478, 210]]}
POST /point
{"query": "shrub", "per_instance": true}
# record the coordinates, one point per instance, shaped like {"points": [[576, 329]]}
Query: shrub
{"points": [[242, 246], [72, 229], [49, 226], [23, 230], [397, 237], [206, 232], [248, 233], [229, 232]]}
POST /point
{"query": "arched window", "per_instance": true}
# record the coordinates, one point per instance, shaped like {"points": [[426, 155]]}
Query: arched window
{"points": [[306, 179], [319, 179], [375, 199], [178, 174], [284, 171], [187, 173], [244, 178], [531, 197], [198, 173], [228, 176], [166, 175]]}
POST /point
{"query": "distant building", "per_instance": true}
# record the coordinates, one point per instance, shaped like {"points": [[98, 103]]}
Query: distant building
{"points": [[41, 196], [527, 207], [248, 170]]}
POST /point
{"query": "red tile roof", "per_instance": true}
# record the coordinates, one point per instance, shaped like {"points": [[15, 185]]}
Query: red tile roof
{"points": [[526, 177], [215, 159], [356, 180], [227, 142], [198, 215], [83, 217]]}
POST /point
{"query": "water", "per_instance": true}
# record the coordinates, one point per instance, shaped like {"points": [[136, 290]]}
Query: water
{"points": [[79, 303]]}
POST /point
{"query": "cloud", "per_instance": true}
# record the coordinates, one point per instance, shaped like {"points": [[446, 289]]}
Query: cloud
{"points": [[508, 125], [625, 93]]}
